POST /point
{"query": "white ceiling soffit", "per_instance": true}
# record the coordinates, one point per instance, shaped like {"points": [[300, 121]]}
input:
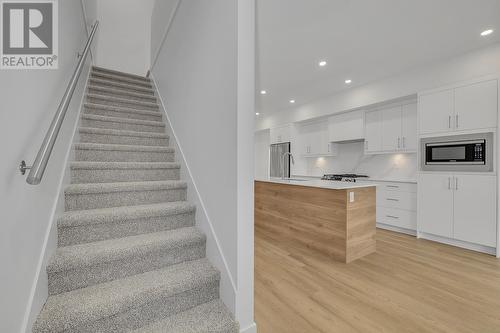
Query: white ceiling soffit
{"points": [[362, 40]]}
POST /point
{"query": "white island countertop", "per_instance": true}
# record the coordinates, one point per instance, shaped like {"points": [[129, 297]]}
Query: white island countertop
{"points": [[311, 182]]}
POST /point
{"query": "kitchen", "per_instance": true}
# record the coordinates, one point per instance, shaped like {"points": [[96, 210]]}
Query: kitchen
{"points": [[425, 140]]}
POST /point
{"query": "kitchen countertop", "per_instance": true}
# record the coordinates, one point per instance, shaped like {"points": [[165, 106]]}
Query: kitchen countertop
{"points": [[390, 180], [327, 184], [370, 179]]}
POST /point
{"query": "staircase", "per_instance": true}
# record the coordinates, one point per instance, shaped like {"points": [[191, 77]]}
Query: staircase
{"points": [[129, 256]]}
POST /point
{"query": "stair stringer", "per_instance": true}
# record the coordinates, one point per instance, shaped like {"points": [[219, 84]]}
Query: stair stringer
{"points": [[214, 251]]}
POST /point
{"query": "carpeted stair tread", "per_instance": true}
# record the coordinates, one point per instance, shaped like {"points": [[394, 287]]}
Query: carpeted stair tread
{"points": [[121, 85], [211, 317], [107, 251], [127, 101], [120, 214], [114, 147], [110, 131], [79, 307], [120, 73], [119, 78], [124, 120], [123, 165], [117, 92], [155, 113], [76, 189]]}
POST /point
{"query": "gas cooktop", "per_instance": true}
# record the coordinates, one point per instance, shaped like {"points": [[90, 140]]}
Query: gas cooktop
{"points": [[345, 177]]}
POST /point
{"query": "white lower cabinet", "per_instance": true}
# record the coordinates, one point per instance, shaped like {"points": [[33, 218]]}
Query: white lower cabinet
{"points": [[435, 195], [458, 206], [397, 205], [475, 209]]}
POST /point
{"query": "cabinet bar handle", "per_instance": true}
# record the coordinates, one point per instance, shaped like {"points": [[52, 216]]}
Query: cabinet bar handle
{"points": [[391, 199], [449, 121], [404, 143], [449, 183], [456, 121], [456, 183], [392, 216], [392, 186], [399, 142]]}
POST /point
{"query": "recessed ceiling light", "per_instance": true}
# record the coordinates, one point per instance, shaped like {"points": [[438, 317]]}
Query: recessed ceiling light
{"points": [[292, 101], [322, 63], [348, 81], [263, 92], [256, 113], [487, 32]]}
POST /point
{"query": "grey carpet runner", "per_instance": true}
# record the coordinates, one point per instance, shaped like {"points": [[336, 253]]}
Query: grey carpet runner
{"points": [[129, 256]]}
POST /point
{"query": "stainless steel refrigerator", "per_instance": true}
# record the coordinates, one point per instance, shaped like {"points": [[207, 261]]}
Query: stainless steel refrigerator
{"points": [[276, 159]]}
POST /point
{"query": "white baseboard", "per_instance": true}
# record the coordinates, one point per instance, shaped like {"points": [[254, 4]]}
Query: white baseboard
{"points": [[39, 289], [397, 229], [458, 243], [250, 329]]}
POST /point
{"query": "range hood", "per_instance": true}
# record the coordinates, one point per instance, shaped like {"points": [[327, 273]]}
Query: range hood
{"points": [[349, 141]]}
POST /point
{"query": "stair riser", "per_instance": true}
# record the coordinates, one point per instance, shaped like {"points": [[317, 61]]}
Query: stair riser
{"points": [[120, 79], [123, 140], [145, 261], [97, 82], [127, 104], [122, 94], [121, 114], [145, 314], [123, 156], [118, 199], [80, 176], [118, 73], [122, 126], [103, 231]]}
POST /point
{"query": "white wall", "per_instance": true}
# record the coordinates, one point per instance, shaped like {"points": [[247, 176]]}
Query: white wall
{"points": [[29, 100], [478, 63], [124, 40], [204, 75], [261, 161]]}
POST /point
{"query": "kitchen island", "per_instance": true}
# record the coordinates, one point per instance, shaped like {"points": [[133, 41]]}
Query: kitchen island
{"points": [[335, 218]]}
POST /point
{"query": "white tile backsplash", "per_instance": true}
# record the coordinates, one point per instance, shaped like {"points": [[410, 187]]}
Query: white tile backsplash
{"points": [[351, 159]]}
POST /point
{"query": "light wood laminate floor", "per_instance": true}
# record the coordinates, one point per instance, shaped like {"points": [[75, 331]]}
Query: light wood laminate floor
{"points": [[409, 285]]}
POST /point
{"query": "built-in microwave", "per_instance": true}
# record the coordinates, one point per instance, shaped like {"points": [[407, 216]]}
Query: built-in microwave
{"points": [[471, 152]]}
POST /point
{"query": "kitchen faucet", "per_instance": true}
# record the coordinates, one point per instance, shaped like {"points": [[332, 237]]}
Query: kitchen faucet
{"points": [[283, 164]]}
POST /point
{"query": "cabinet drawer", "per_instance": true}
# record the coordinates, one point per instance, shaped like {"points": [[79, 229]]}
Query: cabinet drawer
{"points": [[397, 199], [403, 187], [397, 217]]}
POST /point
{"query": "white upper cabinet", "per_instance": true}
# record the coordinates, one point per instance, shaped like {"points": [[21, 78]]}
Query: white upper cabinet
{"points": [[436, 112], [281, 134], [476, 106], [373, 131], [313, 140], [463, 108], [391, 129], [346, 127], [409, 127]]}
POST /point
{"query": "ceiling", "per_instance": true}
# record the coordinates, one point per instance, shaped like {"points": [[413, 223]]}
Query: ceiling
{"points": [[362, 40]]}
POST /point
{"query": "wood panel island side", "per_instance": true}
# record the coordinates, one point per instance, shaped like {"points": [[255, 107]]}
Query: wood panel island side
{"points": [[335, 218]]}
